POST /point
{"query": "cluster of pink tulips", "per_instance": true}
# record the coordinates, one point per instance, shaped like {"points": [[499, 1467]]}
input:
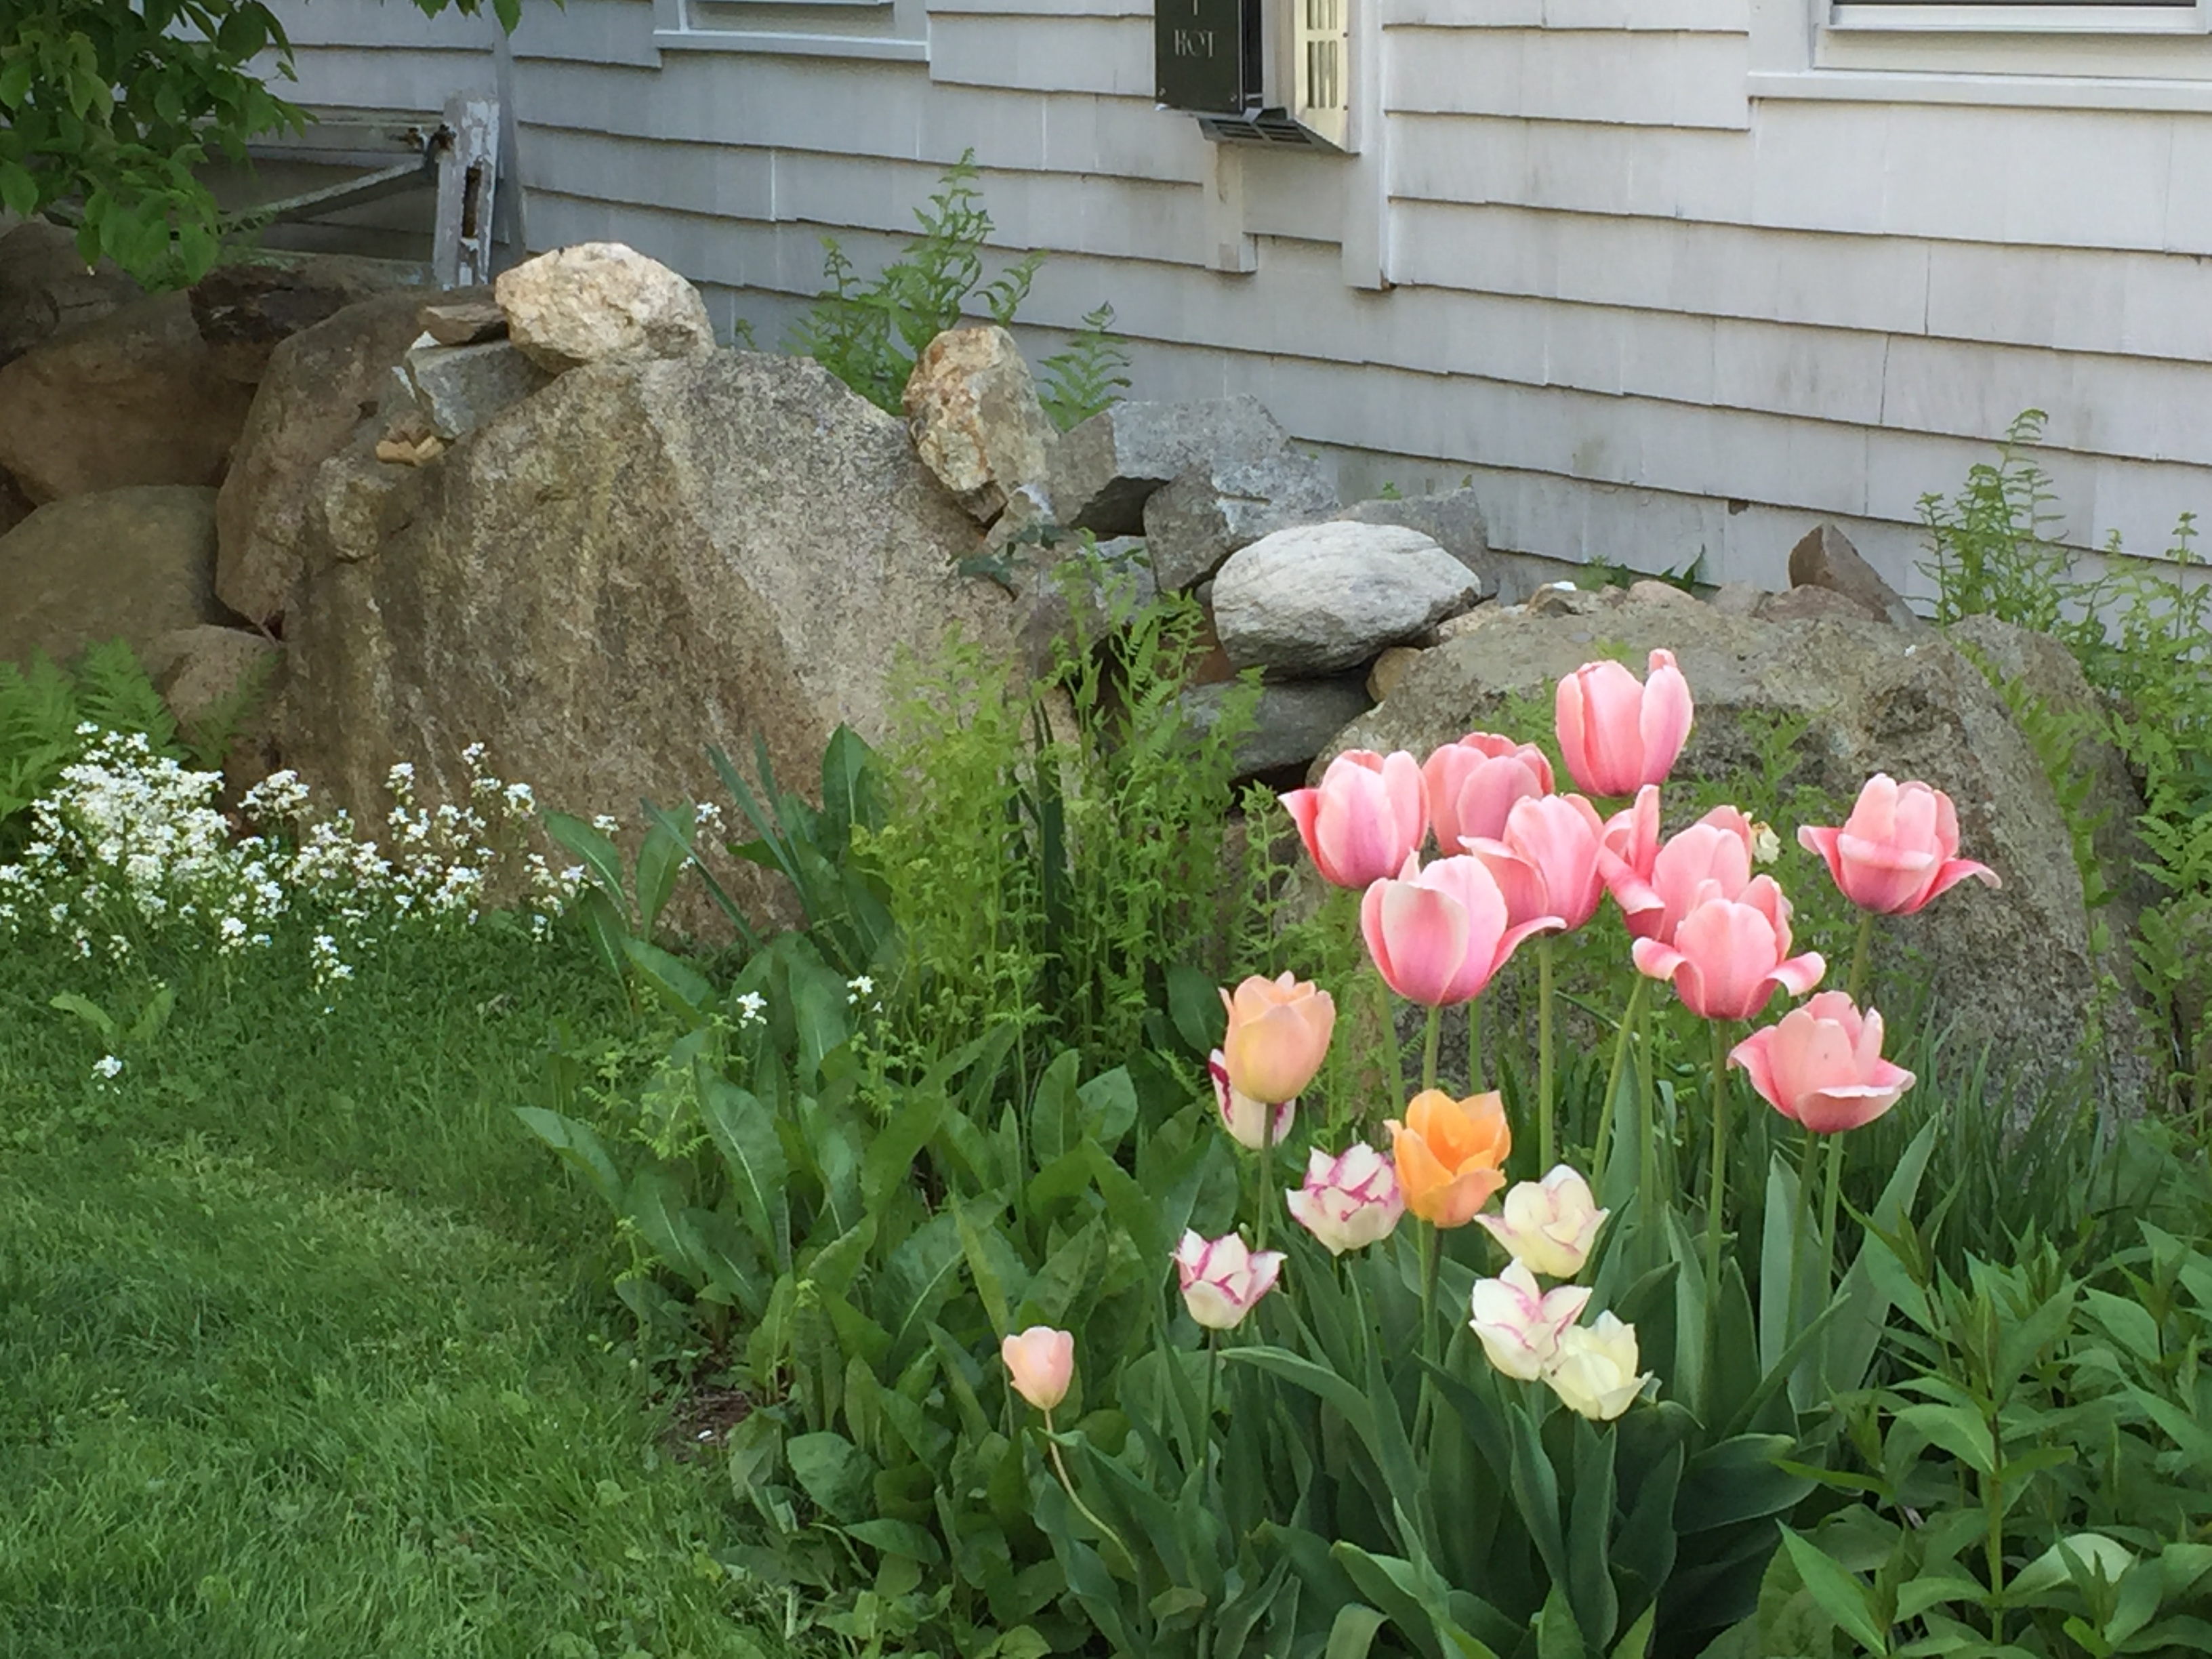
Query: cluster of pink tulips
{"points": [[1515, 861]]}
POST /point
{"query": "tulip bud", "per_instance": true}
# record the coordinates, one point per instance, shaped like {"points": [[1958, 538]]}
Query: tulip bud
{"points": [[1223, 1278], [1039, 1364], [1821, 1066], [1593, 1370], [1348, 1202], [1520, 1325], [1615, 735], [1729, 957], [1451, 1154], [1548, 1226], [1899, 848], [1278, 1036], [1370, 812]]}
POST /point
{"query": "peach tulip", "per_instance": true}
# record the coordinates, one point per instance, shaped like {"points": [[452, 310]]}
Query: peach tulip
{"points": [[1474, 783], [1451, 1154], [1279, 1033], [1370, 812], [1656, 884], [1350, 1201], [1548, 1226], [1520, 1325], [1039, 1364], [1616, 735], [1223, 1278], [1438, 935], [1899, 848], [1821, 1066], [1728, 955], [1546, 862]]}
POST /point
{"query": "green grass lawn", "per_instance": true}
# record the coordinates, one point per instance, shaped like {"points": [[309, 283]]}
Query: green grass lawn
{"points": [[304, 1343]]}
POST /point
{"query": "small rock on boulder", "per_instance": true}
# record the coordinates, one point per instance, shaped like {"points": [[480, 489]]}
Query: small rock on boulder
{"points": [[320, 385], [976, 422], [1209, 511], [1453, 521], [1322, 597], [133, 563], [1825, 558], [598, 300], [130, 398], [1105, 468], [457, 389]]}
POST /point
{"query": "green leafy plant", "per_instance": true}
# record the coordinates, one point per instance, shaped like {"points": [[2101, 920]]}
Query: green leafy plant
{"points": [[1088, 377], [44, 707], [108, 109], [870, 333]]}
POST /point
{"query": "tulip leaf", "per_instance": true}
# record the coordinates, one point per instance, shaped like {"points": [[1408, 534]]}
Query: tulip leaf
{"points": [[1557, 1636], [1352, 1631], [1380, 1579], [1638, 1643], [1589, 1524], [1536, 1487], [1356, 1407], [1737, 1479]]}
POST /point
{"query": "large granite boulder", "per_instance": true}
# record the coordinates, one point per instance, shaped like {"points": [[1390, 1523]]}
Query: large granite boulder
{"points": [[972, 409], [2015, 966], [642, 559], [1453, 520], [133, 563], [320, 385], [244, 310], [599, 301], [131, 397], [46, 288]]}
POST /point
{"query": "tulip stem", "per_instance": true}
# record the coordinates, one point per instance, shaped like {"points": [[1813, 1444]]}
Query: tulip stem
{"points": [[1429, 1049], [1262, 1156], [1544, 1147], [1828, 1216], [1716, 1191], [1861, 954], [1390, 1043], [1060, 1468], [1432, 1257], [1474, 1046], [1628, 1019]]}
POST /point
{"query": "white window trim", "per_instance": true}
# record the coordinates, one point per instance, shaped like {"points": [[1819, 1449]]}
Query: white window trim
{"points": [[2066, 57], [675, 29]]}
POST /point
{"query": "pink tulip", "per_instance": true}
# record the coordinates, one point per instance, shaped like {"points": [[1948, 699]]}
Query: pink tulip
{"points": [[1546, 862], [1821, 1066], [1350, 1201], [1730, 955], [1899, 848], [1616, 735], [1223, 1278], [1657, 883], [1369, 813], [1278, 1035], [1474, 783], [1039, 1364], [1438, 935], [1253, 1124]]}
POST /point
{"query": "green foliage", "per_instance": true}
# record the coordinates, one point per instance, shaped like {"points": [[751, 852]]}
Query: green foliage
{"points": [[1087, 377], [2143, 633], [107, 107], [2020, 1490], [41, 709], [870, 334]]}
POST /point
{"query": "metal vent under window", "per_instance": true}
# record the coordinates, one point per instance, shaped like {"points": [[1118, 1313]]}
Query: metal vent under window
{"points": [[1275, 72]]}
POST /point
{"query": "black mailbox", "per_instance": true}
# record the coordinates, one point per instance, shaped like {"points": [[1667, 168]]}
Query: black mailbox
{"points": [[1206, 55]]}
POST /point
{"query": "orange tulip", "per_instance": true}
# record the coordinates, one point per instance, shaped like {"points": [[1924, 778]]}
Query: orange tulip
{"points": [[1278, 1036], [1451, 1154]]}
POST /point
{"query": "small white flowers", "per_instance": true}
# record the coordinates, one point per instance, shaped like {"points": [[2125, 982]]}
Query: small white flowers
{"points": [[107, 1065], [862, 987], [749, 1007]]}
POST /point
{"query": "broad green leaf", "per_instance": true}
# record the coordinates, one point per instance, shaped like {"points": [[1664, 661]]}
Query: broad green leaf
{"points": [[597, 851], [1589, 1524], [1841, 1597], [1064, 1275], [1352, 1631], [1557, 1635], [2129, 1322], [1637, 1645], [888, 1163], [667, 848], [836, 1264], [919, 1274], [1109, 1106], [1194, 1008], [835, 1474], [675, 981], [84, 1008], [989, 1281], [578, 1145], [1954, 1429], [1737, 1479], [654, 1204], [743, 1133]]}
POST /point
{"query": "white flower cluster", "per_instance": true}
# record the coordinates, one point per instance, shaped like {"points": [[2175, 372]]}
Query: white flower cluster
{"points": [[130, 844]]}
